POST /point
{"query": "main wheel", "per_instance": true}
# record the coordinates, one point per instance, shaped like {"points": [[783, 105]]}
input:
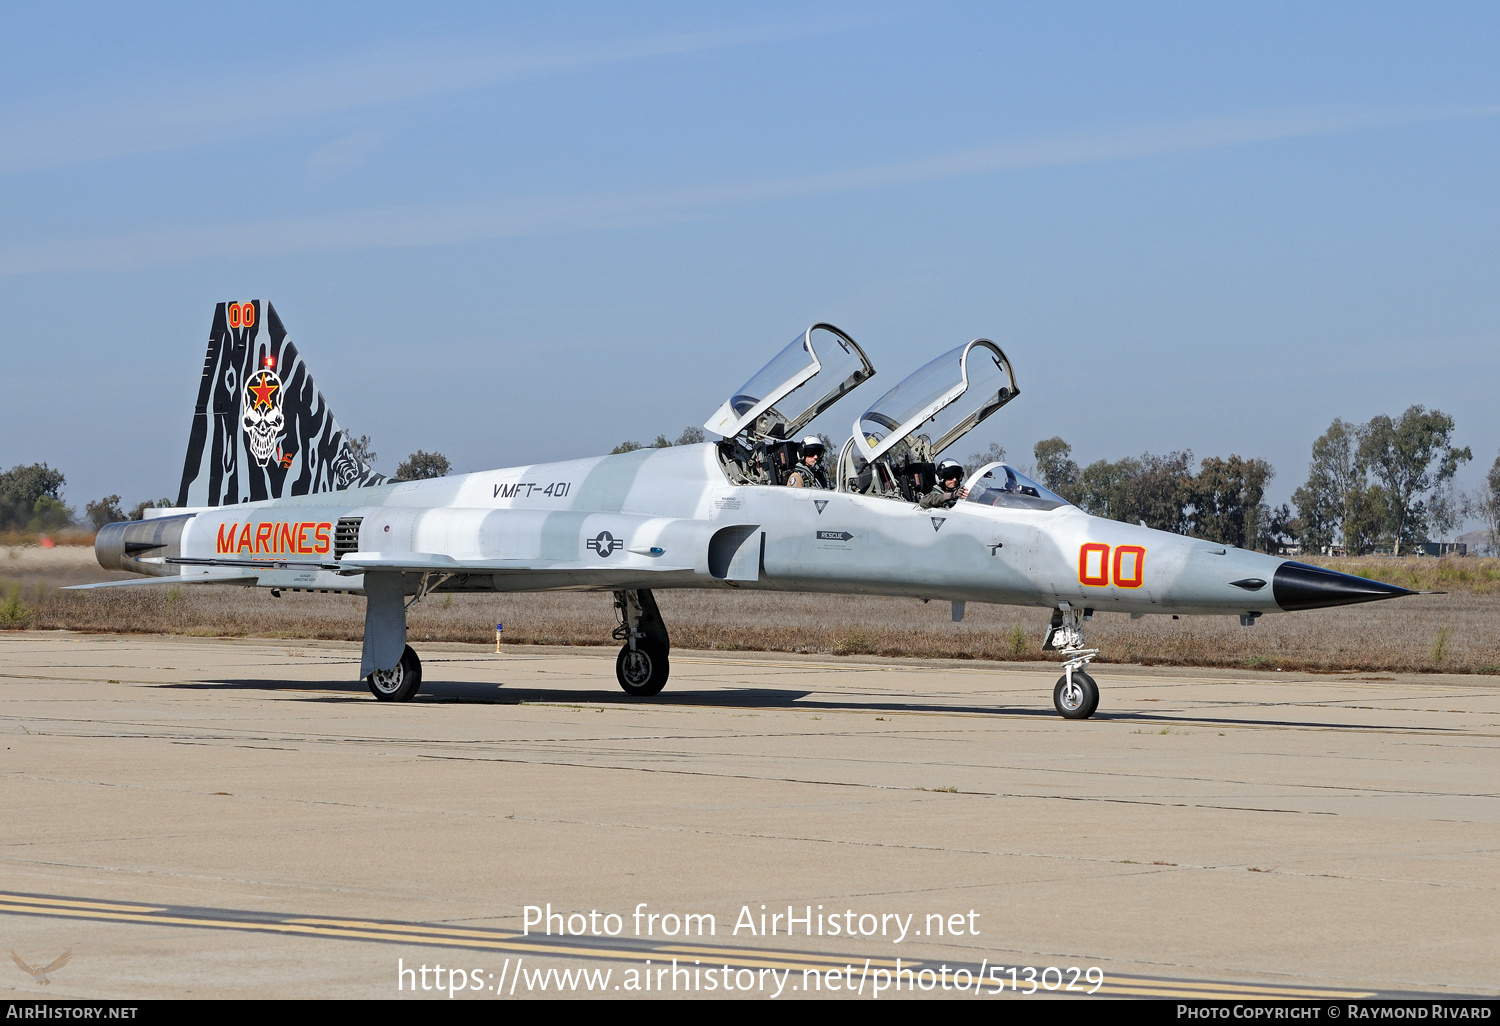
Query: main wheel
{"points": [[399, 684], [642, 672], [1078, 700]]}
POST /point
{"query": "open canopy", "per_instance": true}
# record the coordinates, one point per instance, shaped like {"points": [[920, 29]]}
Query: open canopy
{"points": [[940, 403], [819, 367]]}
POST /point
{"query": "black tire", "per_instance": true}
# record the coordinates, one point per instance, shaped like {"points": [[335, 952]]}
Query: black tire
{"points": [[643, 672], [400, 684], [1081, 701]]}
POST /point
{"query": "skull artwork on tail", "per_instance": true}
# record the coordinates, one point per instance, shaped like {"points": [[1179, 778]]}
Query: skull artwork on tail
{"points": [[263, 419]]}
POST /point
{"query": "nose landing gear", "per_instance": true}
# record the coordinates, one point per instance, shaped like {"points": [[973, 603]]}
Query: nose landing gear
{"points": [[1076, 695]]}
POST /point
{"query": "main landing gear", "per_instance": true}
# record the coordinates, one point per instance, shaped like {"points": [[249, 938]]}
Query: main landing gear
{"points": [[642, 665], [385, 635], [1076, 696], [399, 684]]}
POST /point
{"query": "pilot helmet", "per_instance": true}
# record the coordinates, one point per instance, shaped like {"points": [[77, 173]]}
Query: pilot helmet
{"points": [[812, 445], [950, 468]]}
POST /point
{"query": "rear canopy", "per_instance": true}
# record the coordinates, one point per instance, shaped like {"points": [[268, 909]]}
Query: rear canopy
{"points": [[818, 368]]}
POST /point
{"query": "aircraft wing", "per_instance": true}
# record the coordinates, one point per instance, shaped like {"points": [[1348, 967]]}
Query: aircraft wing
{"points": [[437, 563]]}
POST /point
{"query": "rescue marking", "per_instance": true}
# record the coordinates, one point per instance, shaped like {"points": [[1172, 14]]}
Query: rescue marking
{"points": [[834, 536]]}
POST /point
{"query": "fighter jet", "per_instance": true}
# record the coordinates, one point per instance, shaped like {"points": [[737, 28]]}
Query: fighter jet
{"points": [[273, 496]]}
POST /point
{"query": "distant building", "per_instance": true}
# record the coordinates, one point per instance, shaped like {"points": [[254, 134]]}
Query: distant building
{"points": [[1431, 548]]}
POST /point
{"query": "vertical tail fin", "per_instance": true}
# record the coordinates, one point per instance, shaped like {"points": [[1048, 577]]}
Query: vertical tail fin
{"points": [[261, 429]]}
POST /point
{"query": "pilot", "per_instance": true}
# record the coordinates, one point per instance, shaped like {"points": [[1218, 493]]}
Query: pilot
{"points": [[809, 472], [950, 476]]}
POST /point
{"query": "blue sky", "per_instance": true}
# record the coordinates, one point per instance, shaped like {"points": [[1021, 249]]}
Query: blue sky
{"points": [[523, 233]]}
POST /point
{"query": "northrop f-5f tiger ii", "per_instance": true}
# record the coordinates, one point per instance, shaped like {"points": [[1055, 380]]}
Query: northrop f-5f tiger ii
{"points": [[273, 496]]}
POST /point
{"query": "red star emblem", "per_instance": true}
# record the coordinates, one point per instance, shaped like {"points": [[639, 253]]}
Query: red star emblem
{"points": [[263, 390]]}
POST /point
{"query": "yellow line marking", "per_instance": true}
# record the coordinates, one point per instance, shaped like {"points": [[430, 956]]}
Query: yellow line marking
{"points": [[1247, 988], [447, 931], [543, 947], [383, 932], [1222, 991], [875, 963], [23, 899], [353, 929]]}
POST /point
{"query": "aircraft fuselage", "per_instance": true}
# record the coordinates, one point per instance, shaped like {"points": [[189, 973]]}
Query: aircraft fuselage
{"points": [[650, 519]]}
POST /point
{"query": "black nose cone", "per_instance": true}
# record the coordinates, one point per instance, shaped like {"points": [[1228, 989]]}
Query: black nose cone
{"points": [[1300, 586]]}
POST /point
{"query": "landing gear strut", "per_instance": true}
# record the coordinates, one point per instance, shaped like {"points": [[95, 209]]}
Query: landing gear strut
{"points": [[1076, 696], [642, 665]]}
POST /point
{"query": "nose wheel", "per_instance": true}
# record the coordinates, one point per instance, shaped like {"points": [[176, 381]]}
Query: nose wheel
{"points": [[1076, 696]]}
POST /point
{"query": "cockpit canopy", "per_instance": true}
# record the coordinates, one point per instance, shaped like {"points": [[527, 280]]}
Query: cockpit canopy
{"points": [[939, 404], [999, 484], [819, 367]]}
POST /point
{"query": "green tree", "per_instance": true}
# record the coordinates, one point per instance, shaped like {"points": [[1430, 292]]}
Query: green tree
{"points": [[689, 436], [994, 454], [1227, 499], [139, 513], [1336, 500], [31, 499], [1316, 524], [1101, 487], [626, 446], [422, 466], [1154, 490], [1446, 510], [1055, 466], [1365, 519], [1274, 528], [105, 511], [1411, 457], [1486, 505]]}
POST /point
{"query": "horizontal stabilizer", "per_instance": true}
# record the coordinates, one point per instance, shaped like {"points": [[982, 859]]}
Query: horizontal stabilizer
{"points": [[240, 579]]}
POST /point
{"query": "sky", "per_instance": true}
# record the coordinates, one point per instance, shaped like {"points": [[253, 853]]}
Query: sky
{"points": [[521, 233]]}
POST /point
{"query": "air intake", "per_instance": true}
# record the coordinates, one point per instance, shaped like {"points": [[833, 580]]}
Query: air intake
{"points": [[346, 536]]}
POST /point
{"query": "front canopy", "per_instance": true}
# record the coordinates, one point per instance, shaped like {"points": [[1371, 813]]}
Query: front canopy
{"points": [[998, 484], [940, 403], [819, 367]]}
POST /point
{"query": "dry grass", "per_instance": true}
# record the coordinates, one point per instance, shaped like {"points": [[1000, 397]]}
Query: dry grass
{"points": [[1457, 632], [23, 539], [1473, 576]]}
